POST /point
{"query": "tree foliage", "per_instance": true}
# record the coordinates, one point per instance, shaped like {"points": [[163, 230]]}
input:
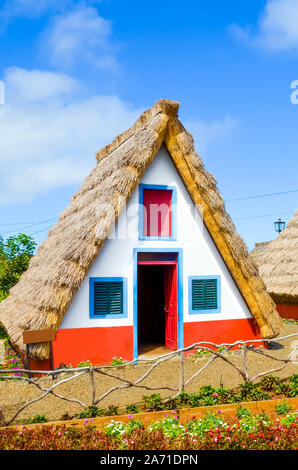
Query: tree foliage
{"points": [[15, 254]]}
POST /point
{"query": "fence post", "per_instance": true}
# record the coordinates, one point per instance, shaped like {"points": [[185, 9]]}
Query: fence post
{"points": [[244, 362], [92, 384], [181, 384]]}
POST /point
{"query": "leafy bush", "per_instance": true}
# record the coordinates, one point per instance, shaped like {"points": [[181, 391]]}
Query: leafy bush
{"points": [[132, 409], [243, 412], [152, 402], [282, 408], [12, 361], [251, 392], [91, 412], [38, 419], [15, 254], [112, 410], [3, 333]]}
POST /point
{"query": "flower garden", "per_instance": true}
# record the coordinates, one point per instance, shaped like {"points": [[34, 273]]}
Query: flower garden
{"points": [[213, 432]]}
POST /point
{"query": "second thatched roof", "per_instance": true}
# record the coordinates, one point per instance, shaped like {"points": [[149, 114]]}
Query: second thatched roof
{"points": [[45, 291], [279, 265]]}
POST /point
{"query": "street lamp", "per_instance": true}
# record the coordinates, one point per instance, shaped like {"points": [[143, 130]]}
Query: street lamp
{"points": [[279, 225]]}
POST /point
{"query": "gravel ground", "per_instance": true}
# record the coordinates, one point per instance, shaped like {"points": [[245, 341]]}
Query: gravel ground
{"points": [[15, 393]]}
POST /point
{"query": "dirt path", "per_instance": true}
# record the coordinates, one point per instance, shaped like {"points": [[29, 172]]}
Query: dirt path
{"points": [[13, 393]]}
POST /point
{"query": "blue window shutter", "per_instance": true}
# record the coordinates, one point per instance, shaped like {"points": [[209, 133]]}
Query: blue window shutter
{"points": [[108, 298], [204, 294]]}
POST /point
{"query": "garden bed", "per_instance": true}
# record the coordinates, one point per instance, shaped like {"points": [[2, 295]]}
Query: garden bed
{"points": [[166, 431]]}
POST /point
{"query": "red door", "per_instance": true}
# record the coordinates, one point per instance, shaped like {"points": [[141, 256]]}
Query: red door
{"points": [[170, 294]]}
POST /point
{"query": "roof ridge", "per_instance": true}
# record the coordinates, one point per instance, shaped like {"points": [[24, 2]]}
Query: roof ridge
{"points": [[164, 106]]}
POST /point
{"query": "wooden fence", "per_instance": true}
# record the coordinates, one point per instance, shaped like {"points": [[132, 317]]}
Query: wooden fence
{"points": [[217, 352]]}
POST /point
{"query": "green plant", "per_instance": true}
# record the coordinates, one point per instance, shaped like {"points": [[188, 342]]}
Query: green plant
{"points": [[117, 361], [38, 419], [3, 333], [15, 254], [91, 412], [152, 402], [130, 409], [282, 408], [243, 412], [84, 364], [201, 352], [293, 385], [112, 410], [249, 391]]}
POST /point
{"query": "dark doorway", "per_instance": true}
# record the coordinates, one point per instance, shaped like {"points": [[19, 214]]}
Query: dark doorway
{"points": [[151, 318], [157, 305]]}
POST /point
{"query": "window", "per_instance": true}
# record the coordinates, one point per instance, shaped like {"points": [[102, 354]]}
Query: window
{"points": [[204, 294], [157, 216], [107, 297]]}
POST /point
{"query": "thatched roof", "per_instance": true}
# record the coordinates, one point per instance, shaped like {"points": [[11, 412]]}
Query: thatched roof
{"points": [[259, 251], [45, 291], [279, 266]]}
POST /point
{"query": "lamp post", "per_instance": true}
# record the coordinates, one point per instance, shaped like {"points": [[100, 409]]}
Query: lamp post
{"points": [[279, 225]]}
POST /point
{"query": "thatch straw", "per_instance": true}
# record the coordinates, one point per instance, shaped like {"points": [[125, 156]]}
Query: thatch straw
{"points": [[259, 251], [45, 291], [279, 265]]}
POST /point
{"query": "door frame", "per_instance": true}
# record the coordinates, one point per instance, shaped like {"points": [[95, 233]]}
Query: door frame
{"points": [[180, 335]]}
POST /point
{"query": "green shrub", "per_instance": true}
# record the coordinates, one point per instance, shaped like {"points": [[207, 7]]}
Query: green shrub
{"points": [[38, 419], [152, 402], [250, 392], [3, 333], [243, 412], [91, 412], [293, 386], [112, 410], [130, 409], [282, 408]]}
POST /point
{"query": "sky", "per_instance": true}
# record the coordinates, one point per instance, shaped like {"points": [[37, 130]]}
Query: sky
{"points": [[76, 73]]}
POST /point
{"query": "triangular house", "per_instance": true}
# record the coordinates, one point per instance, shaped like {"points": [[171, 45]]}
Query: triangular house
{"points": [[279, 269], [178, 275]]}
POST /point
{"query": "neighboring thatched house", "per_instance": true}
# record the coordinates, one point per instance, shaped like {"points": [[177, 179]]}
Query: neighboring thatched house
{"points": [[279, 270], [258, 252], [144, 254]]}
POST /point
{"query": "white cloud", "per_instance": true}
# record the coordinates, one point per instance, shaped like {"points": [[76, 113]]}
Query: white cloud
{"points": [[48, 137], [36, 86], [277, 28], [79, 37], [205, 133]]}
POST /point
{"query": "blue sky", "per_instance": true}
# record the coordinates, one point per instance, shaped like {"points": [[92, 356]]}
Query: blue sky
{"points": [[77, 73]]}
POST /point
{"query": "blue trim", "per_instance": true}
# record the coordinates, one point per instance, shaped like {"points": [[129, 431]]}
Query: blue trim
{"points": [[179, 252], [218, 289], [92, 280], [173, 237]]}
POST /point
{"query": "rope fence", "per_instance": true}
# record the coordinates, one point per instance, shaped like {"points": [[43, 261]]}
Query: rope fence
{"points": [[106, 371]]}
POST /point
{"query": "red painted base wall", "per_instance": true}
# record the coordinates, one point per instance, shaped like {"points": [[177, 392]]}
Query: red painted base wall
{"points": [[221, 331], [98, 345], [288, 311]]}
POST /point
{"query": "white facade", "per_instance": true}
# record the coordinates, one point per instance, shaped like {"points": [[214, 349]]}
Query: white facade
{"points": [[200, 256]]}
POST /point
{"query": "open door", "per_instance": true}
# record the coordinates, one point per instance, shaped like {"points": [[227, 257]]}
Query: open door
{"points": [[170, 296], [157, 302]]}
